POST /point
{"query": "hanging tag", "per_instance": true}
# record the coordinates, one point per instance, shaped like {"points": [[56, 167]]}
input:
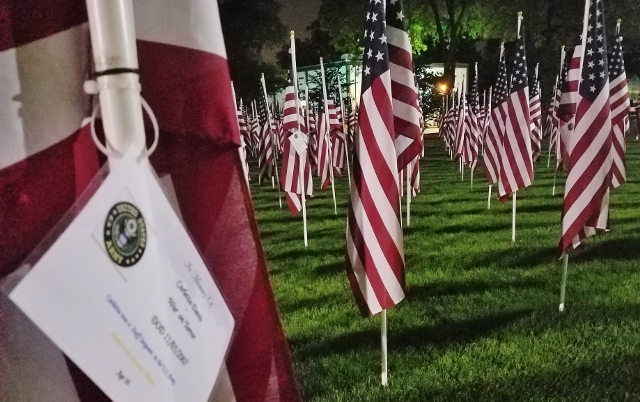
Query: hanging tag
{"points": [[298, 141], [124, 293]]}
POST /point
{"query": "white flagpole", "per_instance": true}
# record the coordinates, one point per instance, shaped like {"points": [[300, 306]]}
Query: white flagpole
{"points": [[114, 53], [273, 138], [563, 282], [275, 143], [489, 197], [409, 192], [346, 137], [241, 150], [328, 154], [383, 342], [301, 176], [257, 148], [513, 220], [555, 91]]}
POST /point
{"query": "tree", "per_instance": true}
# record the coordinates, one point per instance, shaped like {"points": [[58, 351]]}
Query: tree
{"points": [[248, 26], [308, 51]]}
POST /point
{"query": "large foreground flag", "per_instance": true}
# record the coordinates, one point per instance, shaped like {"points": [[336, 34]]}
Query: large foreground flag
{"points": [[586, 196], [375, 252], [185, 79], [47, 159], [516, 171]]}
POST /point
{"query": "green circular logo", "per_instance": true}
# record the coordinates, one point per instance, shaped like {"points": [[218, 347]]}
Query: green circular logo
{"points": [[125, 234]]}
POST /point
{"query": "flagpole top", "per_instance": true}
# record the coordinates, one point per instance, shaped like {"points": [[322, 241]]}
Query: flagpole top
{"points": [[293, 34], [519, 14], [619, 21]]}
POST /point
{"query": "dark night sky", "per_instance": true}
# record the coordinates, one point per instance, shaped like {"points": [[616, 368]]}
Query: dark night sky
{"points": [[298, 14], [295, 15]]}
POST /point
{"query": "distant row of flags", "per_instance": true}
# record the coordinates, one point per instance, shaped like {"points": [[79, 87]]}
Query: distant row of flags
{"points": [[586, 124]]}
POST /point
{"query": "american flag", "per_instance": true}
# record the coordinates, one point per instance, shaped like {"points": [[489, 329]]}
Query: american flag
{"points": [[406, 112], [290, 118], [495, 133], [586, 197], [255, 131], [324, 147], [375, 251], [265, 151], [568, 104], [535, 108], [471, 132], [337, 137], [313, 136], [295, 160], [516, 170], [244, 130], [352, 124], [620, 109], [483, 118], [459, 130]]}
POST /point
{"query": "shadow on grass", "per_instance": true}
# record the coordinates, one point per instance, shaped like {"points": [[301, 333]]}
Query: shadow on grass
{"points": [[614, 379], [516, 258], [440, 335], [308, 303], [305, 253], [331, 269], [444, 289], [615, 249]]}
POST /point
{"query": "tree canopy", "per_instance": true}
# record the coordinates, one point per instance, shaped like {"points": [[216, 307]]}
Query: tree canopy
{"points": [[248, 26]]}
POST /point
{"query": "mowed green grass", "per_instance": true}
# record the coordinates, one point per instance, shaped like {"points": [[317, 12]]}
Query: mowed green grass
{"points": [[480, 320]]}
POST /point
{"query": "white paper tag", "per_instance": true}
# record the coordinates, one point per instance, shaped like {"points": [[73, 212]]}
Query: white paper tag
{"points": [[125, 294], [299, 142]]}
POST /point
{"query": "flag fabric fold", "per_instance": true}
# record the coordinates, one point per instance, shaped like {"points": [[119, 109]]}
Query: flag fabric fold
{"points": [[620, 109], [516, 164], [375, 252], [586, 197]]}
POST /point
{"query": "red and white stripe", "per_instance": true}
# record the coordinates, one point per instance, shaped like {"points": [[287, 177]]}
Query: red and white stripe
{"points": [[324, 149], [374, 236], [586, 197], [265, 152], [47, 158], [470, 147], [516, 165], [375, 248], [620, 108], [535, 108], [406, 112], [493, 143], [567, 108]]}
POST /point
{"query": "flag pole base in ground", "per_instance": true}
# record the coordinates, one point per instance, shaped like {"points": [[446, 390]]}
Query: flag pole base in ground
{"points": [[489, 197], [513, 219], [555, 175], [563, 282], [383, 341]]}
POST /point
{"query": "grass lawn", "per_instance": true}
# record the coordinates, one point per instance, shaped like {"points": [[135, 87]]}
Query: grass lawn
{"points": [[480, 320]]}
